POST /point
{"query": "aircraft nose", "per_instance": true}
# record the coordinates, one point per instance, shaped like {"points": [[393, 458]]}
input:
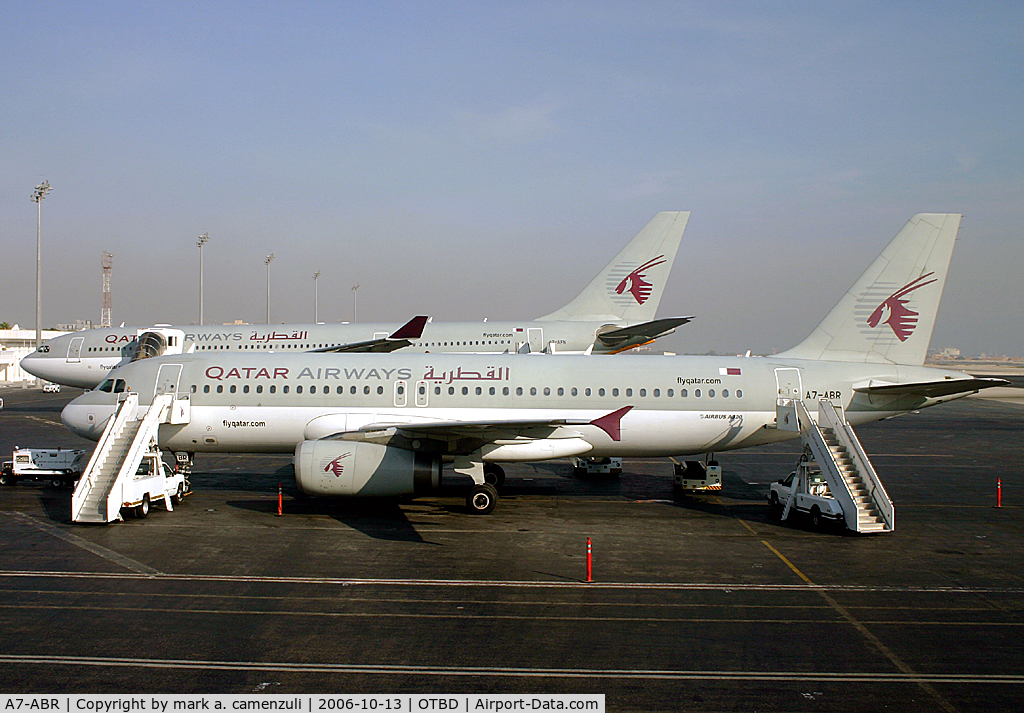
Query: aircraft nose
{"points": [[36, 365], [86, 419]]}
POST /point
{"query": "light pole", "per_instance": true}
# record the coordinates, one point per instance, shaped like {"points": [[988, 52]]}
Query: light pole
{"points": [[40, 192], [316, 298], [203, 239], [355, 292], [270, 259]]}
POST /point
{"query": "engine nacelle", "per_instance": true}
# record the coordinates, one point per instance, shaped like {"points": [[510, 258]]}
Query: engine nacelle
{"points": [[365, 469]]}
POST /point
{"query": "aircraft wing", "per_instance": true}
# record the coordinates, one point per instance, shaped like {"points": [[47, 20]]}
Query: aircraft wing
{"points": [[929, 389], [464, 437], [401, 338], [635, 335]]}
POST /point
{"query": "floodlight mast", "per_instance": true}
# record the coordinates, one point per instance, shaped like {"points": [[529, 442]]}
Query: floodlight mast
{"points": [[37, 195], [316, 298], [203, 239], [269, 259]]}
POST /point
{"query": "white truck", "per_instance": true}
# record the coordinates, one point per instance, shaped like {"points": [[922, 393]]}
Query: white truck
{"points": [[694, 475], [61, 467], [153, 481], [811, 495]]}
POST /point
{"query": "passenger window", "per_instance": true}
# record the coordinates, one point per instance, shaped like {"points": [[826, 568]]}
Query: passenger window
{"points": [[533, 391], [465, 390], [259, 389], [739, 393], [587, 391], [298, 389], [245, 389], [696, 393], [380, 390], [670, 393], [504, 391], [657, 392], [220, 388], [725, 393], [683, 393], [574, 392], [206, 389], [643, 392], [284, 389], [273, 389], [711, 393], [561, 391], [600, 392], [615, 392], [629, 392], [519, 391], [235, 388]]}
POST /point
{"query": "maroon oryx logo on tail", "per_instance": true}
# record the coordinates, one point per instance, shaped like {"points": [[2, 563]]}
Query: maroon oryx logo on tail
{"points": [[901, 318], [635, 284]]}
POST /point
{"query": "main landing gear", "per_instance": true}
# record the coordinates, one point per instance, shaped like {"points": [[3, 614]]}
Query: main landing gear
{"points": [[487, 478]]}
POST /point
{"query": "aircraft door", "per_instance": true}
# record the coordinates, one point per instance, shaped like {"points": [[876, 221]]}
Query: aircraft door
{"points": [[75, 350], [401, 397], [790, 388], [167, 379], [535, 335], [422, 393]]}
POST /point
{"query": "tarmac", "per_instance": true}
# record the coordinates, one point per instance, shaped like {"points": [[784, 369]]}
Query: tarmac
{"points": [[698, 603]]}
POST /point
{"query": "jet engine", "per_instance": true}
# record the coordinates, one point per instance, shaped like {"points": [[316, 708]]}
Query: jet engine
{"points": [[360, 468]]}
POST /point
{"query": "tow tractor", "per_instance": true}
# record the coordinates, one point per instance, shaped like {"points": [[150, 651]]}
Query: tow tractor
{"points": [[60, 467], [806, 490], [694, 475], [597, 466]]}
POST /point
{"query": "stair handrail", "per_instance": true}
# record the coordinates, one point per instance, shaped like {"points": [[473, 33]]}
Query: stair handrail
{"points": [[876, 490], [155, 415], [127, 403]]}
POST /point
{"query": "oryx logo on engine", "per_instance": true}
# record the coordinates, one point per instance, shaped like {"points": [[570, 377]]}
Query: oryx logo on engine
{"points": [[336, 466]]}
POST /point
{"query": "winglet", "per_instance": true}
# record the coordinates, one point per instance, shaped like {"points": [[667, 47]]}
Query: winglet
{"points": [[609, 423], [411, 329]]}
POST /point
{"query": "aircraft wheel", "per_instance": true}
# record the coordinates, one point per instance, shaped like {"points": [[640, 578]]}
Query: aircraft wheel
{"points": [[142, 509], [494, 474], [179, 495], [816, 517], [482, 499]]}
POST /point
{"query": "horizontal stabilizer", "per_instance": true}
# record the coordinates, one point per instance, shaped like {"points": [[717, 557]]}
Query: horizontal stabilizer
{"points": [[929, 389], [401, 338], [637, 334]]}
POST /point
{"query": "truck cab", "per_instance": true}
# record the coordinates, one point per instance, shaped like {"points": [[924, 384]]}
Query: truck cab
{"points": [[806, 490]]}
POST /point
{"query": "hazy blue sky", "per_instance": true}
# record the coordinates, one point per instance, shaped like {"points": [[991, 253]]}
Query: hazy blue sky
{"points": [[471, 160]]}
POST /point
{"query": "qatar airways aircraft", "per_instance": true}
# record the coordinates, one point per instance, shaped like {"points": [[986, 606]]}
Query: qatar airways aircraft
{"points": [[384, 424], [615, 312]]}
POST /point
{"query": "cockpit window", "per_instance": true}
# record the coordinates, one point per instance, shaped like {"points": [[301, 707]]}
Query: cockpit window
{"points": [[115, 386], [43, 348]]}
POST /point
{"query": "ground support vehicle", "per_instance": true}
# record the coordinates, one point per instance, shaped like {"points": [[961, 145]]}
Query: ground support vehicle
{"points": [[59, 466], [597, 466], [694, 475], [153, 481], [806, 491]]}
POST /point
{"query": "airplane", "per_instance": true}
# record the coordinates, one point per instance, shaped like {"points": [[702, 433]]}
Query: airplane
{"points": [[384, 424], [614, 313]]}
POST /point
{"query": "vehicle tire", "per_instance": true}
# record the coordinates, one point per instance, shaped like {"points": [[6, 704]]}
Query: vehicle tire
{"points": [[482, 499], [142, 509], [179, 495], [494, 474], [56, 482], [775, 507], [7, 479], [816, 519]]}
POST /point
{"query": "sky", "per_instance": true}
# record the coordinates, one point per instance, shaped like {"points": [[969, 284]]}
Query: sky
{"points": [[472, 160]]}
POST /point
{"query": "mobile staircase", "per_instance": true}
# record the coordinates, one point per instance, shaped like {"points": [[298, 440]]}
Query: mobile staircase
{"points": [[851, 477], [125, 441]]}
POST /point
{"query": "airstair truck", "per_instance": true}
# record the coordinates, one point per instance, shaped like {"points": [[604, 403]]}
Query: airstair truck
{"points": [[61, 467]]}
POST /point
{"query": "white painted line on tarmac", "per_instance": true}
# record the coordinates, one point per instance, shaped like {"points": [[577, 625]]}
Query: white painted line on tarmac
{"points": [[443, 671]]}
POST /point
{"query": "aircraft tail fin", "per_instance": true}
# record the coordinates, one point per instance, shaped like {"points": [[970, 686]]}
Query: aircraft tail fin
{"points": [[889, 313], [630, 287]]}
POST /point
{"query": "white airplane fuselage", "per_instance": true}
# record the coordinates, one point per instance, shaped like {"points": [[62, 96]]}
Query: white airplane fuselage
{"points": [[83, 359], [680, 404]]}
